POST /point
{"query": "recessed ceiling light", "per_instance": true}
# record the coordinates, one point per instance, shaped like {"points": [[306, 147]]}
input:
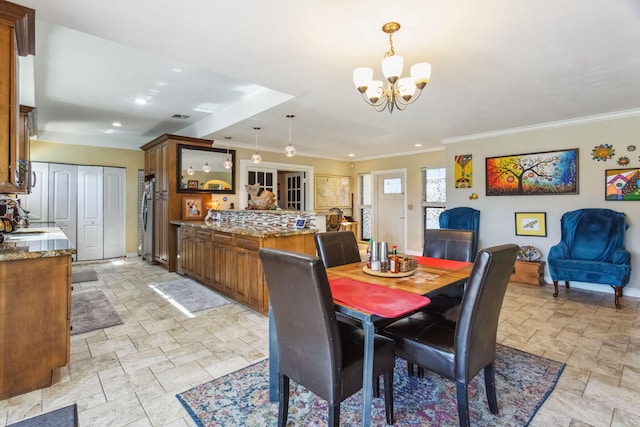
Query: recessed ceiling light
{"points": [[351, 155], [109, 131], [141, 101], [417, 145], [176, 70], [116, 124]]}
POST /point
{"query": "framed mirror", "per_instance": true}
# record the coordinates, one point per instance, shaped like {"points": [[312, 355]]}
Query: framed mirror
{"points": [[201, 169]]}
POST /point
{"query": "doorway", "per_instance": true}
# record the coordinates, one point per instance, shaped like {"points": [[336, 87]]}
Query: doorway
{"points": [[389, 208], [292, 184]]}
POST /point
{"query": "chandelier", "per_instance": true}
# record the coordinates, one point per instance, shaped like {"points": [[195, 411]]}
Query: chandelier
{"points": [[228, 164], [290, 150], [399, 92], [256, 157]]}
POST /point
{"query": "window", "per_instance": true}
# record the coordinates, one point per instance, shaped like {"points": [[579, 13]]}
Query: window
{"points": [[434, 192]]}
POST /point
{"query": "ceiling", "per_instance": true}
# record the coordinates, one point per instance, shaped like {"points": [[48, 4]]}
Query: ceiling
{"points": [[232, 66]]}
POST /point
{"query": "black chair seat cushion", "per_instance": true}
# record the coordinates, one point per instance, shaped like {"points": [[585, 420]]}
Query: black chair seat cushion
{"points": [[426, 341]]}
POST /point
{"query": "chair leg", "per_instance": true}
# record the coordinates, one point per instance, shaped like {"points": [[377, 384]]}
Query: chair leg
{"points": [[566, 284], [618, 294], [334, 415], [490, 386], [463, 404], [388, 396], [376, 387], [410, 369], [283, 398], [420, 372], [555, 288]]}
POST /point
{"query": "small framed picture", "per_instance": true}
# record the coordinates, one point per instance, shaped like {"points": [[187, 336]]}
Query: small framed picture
{"points": [[192, 207], [192, 183], [531, 224]]}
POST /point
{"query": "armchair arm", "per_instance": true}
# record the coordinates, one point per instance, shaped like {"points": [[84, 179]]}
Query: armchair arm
{"points": [[621, 257], [561, 250]]}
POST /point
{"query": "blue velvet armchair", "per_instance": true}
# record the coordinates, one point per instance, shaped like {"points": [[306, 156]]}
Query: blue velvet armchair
{"points": [[591, 250], [462, 218]]}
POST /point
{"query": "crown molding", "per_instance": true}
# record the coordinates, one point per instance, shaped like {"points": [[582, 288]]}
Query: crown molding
{"points": [[549, 125]]}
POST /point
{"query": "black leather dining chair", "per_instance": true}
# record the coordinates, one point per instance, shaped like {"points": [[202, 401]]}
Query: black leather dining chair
{"points": [[453, 245], [337, 248], [315, 350], [459, 350]]}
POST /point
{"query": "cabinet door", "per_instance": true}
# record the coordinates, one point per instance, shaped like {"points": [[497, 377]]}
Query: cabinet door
{"points": [[37, 202], [9, 156], [255, 282], [243, 264]]}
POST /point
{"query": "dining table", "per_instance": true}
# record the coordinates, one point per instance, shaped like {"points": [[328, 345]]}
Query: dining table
{"points": [[375, 298]]}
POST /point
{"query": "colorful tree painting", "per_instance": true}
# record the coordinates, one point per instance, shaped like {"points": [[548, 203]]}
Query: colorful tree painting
{"points": [[552, 172]]}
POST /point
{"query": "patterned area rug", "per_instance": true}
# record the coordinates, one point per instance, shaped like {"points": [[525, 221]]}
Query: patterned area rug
{"points": [[523, 382], [190, 295]]}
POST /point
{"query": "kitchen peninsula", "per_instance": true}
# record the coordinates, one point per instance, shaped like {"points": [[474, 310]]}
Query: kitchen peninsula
{"points": [[223, 253], [35, 308]]}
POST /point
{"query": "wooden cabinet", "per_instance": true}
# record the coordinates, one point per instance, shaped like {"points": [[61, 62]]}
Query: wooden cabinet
{"points": [[35, 322], [24, 149], [230, 263], [223, 254], [160, 163], [17, 38], [529, 273]]}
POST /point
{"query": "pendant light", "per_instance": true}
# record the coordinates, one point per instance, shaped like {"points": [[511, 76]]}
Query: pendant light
{"points": [[290, 150], [228, 164], [256, 157], [191, 170], [206, 167]]}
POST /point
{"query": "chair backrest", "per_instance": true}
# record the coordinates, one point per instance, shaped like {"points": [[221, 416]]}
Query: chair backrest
{"points": [[593, 234], [462, 218], [477, 326], [449, 244], [337, 248], [309, 346]]}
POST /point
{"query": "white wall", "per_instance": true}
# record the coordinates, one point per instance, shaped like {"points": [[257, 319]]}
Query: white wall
{"points": [[497, 224]]}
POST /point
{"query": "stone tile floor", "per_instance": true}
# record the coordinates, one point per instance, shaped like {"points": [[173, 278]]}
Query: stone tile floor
{"points": [[128, 375]]}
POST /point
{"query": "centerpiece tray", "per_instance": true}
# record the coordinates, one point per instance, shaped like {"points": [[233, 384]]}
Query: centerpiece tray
{"points": [[387, 274]]}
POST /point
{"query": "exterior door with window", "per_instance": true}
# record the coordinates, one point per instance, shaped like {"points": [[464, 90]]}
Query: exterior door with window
{"points": [[389, 209]]}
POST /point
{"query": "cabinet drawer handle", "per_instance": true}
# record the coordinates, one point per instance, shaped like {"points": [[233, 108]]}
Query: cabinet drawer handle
{"points": [[244, 252]]}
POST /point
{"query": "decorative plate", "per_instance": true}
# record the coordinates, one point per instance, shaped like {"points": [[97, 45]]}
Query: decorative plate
{"points": [[631, 148]]}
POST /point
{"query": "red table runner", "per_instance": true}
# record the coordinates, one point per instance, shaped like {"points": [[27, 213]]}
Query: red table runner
{"points": [[380, 300], [441, 263]]}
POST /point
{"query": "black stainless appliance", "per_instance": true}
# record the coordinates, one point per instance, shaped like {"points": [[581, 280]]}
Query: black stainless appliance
{"points": [[147, 221]]}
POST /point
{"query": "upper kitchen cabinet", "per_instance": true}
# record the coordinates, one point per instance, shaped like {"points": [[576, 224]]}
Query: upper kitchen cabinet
{"points": [[17, 38]]}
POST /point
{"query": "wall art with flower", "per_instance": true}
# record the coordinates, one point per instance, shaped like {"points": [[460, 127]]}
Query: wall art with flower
{"points": [[544, 173]]}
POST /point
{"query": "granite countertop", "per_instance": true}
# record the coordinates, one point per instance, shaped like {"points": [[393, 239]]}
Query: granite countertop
{"points": [[255, 230], [35, 242]]}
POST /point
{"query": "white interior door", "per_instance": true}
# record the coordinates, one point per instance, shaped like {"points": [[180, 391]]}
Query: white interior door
{"points": [[389, 204], [114, 212], [37, 202], [63, 198], [90, 213]]}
